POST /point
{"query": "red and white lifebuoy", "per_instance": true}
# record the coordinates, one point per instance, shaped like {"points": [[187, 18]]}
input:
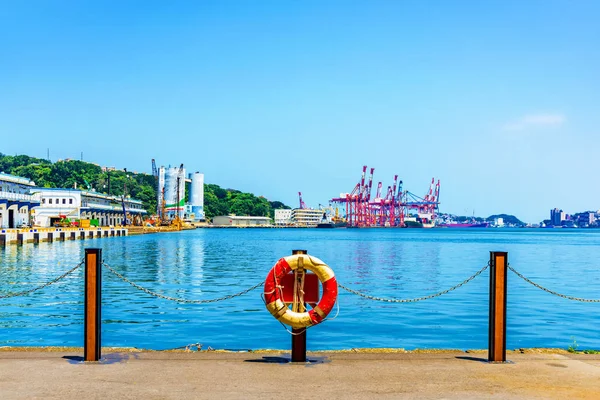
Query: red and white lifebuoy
{"points": [[273, 291]]}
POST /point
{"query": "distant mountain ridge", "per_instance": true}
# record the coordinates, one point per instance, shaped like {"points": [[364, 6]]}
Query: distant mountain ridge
{"points": [[507, 219]]}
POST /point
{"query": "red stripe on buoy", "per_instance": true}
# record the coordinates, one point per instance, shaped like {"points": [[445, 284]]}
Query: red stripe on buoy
{"points": [[271, 291], [330, 291]]}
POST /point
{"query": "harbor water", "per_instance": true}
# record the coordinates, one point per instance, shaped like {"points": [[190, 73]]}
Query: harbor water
{"points": [[389, 263]]}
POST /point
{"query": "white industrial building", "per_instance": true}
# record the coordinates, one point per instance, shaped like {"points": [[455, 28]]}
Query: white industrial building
{"points": [[306, 217], [16, 201], [56, 204], [300, 217], [283, 217]]}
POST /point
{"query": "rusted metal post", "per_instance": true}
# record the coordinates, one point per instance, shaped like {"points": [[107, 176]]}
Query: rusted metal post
{"points": [[497, 325], [299, 335], [93, 305]]}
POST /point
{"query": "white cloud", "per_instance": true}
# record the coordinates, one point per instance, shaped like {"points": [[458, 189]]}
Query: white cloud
{"points": [[536, 121]]}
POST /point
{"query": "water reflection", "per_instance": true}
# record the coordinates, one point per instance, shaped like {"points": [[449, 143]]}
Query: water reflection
{"points": [[205, 264]]}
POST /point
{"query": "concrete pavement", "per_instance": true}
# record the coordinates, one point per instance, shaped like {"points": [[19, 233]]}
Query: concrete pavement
{"points": [[350, 375]]}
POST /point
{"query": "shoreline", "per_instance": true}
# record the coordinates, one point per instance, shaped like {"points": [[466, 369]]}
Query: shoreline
{"points": [[69, 349]]}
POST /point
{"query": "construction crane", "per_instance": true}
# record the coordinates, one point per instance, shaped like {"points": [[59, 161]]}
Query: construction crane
{"points": [[161, 204], [125, 219], [177, 221], [157, 186]]}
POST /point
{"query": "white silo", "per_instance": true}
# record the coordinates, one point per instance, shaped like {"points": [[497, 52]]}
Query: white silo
{"points": [[197, 195], [172, 184]]}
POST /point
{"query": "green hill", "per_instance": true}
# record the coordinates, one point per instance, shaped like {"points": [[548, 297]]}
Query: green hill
{"points": [[141, 186]]}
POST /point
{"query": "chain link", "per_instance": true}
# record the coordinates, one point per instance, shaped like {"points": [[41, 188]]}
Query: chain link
{"points": [[552, 291], [431, 296], [35, 289], [176, 299]]}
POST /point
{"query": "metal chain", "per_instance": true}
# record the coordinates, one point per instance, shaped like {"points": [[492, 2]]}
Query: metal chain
{"points": [[552, 291], [35, 289], [179, 300], [431, 296]]}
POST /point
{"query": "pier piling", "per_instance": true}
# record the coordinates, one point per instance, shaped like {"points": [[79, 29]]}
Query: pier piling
{"points": [[299, 335], [497, 321], [92, 315]]}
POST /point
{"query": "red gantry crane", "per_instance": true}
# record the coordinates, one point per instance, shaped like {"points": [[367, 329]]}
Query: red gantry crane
{"points": [[388, 211], [302, 203]]}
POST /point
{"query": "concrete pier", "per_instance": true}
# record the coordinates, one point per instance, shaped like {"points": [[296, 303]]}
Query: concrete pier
{"points": [[38, 235], [216, 375]]}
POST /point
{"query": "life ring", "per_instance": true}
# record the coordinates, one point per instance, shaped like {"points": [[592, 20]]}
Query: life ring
{"points": [[273, 291]]}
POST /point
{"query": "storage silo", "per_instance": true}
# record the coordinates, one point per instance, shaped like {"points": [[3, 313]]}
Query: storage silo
{"points": [[171, 186], [197, 195]]}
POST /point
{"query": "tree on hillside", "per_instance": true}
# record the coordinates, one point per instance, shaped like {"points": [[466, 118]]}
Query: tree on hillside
{"points": [[84, 175]]}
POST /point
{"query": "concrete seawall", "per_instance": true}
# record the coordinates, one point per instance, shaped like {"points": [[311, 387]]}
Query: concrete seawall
{"points": [[38, 235]]}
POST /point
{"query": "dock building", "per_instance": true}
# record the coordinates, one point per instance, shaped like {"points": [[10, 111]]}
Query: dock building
{"points": [[16, 201], [283, 217], [56, 204], [306, 217]]}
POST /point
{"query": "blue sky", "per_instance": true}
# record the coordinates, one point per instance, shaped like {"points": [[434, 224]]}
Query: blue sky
{"points": [[499, 100]]}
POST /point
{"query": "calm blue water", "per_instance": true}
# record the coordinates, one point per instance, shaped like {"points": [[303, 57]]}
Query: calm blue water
{"points": [[402, 263]]}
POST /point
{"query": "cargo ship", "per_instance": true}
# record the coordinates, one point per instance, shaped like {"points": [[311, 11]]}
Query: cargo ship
{"points": [[465, 225]]}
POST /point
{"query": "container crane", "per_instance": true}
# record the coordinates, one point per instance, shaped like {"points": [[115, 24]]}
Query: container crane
{"points": [[389, 207], [302, 203]]}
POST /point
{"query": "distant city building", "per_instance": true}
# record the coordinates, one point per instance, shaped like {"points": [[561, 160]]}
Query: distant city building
{"points": [[16, 201], [241, 221], [586, 219], [499, 221], [557, 216], [283, 217], [57, 204]]}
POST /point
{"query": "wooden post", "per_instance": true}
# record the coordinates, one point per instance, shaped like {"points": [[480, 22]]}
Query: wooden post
{"points": [[497, 324], [93, 302], [299, 335]]}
